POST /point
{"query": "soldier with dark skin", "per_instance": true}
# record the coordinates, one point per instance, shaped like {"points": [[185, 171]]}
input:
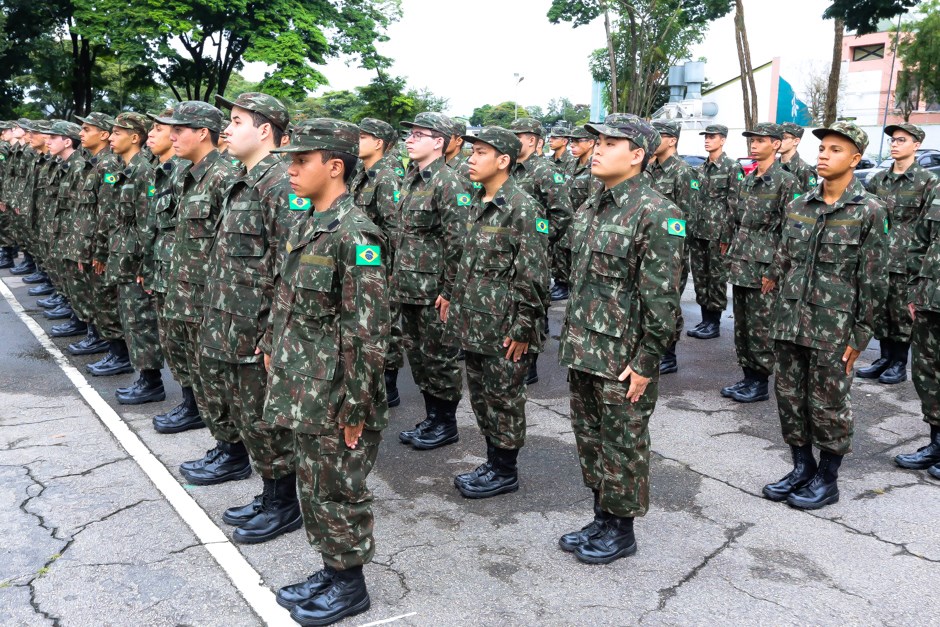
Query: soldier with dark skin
{"points": [[453, 154], [621, 318], [790, 158], [498, 304], [325, 349], [830, 273], [580, 182], [907, 190], [559, 142]]}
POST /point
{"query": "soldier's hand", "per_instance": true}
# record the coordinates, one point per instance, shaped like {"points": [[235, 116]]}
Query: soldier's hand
{"points": [[767, 285], [516, 349], [443, 306], [267, 359], [352, 434], [723, 249], [98, 267], [910, 308], [637, 384], [81, 267], [849, 357]]}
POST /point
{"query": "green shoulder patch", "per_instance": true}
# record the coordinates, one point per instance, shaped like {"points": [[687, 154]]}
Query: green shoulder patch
{"points": [[812, 180], [400, 172], [396, 195], [477, 185], [886, 225], [298, 204], [368, 256], [3, 157], [676, 227], [151, 190], [740, 176], [110, 178], [463, 200], [558, 177], [695, 184], [541, 225]]}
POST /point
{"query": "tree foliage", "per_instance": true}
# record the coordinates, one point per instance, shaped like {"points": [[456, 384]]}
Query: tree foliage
{"points": [[863, 16], [919, 51], [497, 115], [385, 98]]}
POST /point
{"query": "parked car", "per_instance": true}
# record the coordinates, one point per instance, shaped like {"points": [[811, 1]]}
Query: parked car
{"points": [[693, 160], [748, 164], [928, 158]]}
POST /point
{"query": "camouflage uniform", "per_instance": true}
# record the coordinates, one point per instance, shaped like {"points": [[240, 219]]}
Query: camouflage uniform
{"points": [[104, 288], [805, 173], [64, 199], [581, 185], [924, 270]]}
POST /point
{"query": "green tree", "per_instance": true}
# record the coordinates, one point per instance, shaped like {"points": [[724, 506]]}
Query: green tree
{"points": [[919, 51], [499, 115]]}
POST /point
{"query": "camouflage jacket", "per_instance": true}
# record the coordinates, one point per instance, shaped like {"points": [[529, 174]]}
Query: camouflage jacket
{"points": [[923, 262], [580, 184], [375, 191], [33, 184], [500, 289], [67, 198], [713, 217], [201, 191], [5, 151], [907, 196], [159, 233], [10, 170], [626, 264], [432, 208], [676, 180], [329, 326], [256, 221], [80, 239], [128, 219], [459, 165], [805, 173], [23, 175], [540, 179], [761, 211], [565, 164], [44, 191], [829, 267]]}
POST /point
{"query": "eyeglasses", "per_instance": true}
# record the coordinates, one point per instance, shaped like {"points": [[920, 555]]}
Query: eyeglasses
{"points": [[417, 135], [897, 140]]}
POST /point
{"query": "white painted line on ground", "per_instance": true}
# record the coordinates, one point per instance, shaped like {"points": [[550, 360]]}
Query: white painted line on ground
{"points": [[241, 573], [388, 620]]}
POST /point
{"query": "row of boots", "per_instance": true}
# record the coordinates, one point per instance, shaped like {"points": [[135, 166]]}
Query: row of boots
{"points": [[891, 367]]}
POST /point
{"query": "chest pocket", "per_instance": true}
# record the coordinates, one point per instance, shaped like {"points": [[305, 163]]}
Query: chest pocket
{"points": [[838, 243], [196, 214], [718, 186], [126, 209], [365, 196], [244, 230], [610, 255], [494, 255], [313, 286], [419, 216], [666, 186]]}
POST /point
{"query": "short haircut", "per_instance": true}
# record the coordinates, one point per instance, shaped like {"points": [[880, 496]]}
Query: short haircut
{"points": [[213, 136], [349, 161], [646, 154], [276, 132]]}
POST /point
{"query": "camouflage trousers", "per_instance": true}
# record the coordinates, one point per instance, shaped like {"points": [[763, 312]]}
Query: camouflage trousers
{"points": [[752, 326], [561, 264], [334, 499], [172, 347], [77, 287], [182, 349], [394, 359], [139, 319], [433, 364], [105, 307], [896, 316], [683, 281], [497, 395], [925, 364], [813, 398], [6, 233], [613, 440], [709, 274]]}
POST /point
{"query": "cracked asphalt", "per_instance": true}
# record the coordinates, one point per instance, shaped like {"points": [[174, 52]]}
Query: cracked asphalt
{"points": [[88, 540]]}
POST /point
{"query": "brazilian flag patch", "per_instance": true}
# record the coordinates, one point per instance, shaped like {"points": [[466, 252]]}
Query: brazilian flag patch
{"points": [[886, 225], [541, 225], [400, 171], [676, 227], [477, 185], [151, 190], [740, 176], [396, 195], [298, 204], [559, 178], [110, 178], [463, 200], [812, 180], [368, 256], [695, 184], [796, 195]]}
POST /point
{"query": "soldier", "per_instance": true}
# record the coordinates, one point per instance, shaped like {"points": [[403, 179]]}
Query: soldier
{"points": [[44, 214], [453, 154], [761, 212], [621, 318], [908, 190], [558, 142], [432, 212], [580, 181], [790, 158], [375, 189], [498, 305], [325, 351], [9, 142], [676, 180], [33, 188], [830, 268], [710, 228], [22, 170]]}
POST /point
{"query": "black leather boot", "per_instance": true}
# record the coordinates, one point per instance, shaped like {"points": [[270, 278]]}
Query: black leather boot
{"points": [[117, 361], [148, 389], [430, 412], [51, 302], [533, 375], [502, 477], [36, 278], [231, 464], [92, 343], [897, 371], [669, 363], [61, 312], [43, 289], [823, 489], [346, 596], [240, 514], [710, 327], [700, 324], [24, 267], [925, 456], [804, 469], [615, 541], [316, 584], [209, 457], [279, 513], [571, 541], [6, 258], [391, 387], [72, 327], [444, 429], [756, 390], [878, 366], [559, 291], [183, 417], [729, 390], [482, 469]]}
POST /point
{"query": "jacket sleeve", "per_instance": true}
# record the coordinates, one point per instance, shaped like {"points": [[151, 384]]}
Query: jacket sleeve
{"points": [[530, 278], [871, 278], [454, 220]]}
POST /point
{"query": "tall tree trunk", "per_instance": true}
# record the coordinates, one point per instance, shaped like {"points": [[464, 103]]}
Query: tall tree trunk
{"points": [[832, 91], [748, 87], [612, 58]]}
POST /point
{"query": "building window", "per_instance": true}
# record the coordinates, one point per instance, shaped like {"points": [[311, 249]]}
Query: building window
{"points": [[868, 53]]}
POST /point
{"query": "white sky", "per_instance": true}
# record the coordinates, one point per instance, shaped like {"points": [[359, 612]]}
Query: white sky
{"points": [[503, 37]]}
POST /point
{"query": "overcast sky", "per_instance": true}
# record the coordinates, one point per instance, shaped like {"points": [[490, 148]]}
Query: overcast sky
{"points": [[503, 37]]}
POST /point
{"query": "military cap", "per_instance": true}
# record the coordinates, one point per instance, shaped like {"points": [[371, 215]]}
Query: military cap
{"points": [[578, 132], [4, 125], [628, 126], [526, 125], [131, 121], [256, 102], [98, 120], [715, 129], [915, 131], [459, 129], [65, 129], [765, 129], [41, 126], [793, 129], [324, 134], [432, 120], [23, 123], [378, 128], [559, 131], [503, 140], [194, 114], [166, 113], [668, 127], [848, 130]]}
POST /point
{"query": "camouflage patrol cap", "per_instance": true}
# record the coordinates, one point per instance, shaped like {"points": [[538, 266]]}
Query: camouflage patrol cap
{"points": [[848, 130], [195, 114], [560, 131], [377, 128], [578, 132], [168, 112], [65, 129], [914, 131], [432, 120], [459, 128], [668, 127], [5, 126], [134, 122], [715, 129], [323, 134], [793, 129], [503, 140], [526, 125], [41, 126], [23, 123], [256, 102], [99, 120], [765, 129], [628, 126]]}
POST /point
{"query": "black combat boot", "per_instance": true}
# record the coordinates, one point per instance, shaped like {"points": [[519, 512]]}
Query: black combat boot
{"points": [[316, 584], [533, 375], [210, 456], [43, 289], [925, 456], [240, 514], [756, 390], [444, 429], [6, 258], [279, 513], [391, 387], [700, 324], [559, 291], [502, 477], [482, 469], [571, 541], [430, 412], [729, 390], [669, 363], [24, 267], [61, 312], [91, 344], [183, 417], [36, 278], [804, 469], [346, 596], [878, 366], [897, 371], [117, 361], [710, 327], [231, 464], [51, 302], [148, 389], [73, 326], [616, 540], [823, 489]]}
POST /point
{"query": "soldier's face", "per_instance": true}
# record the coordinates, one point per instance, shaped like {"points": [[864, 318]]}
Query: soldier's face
{"points": [[369, 146], [714, 141], [530, 143], [557, 143], [187, 141], [764, 148], [903, 145], [37, 141], [158, 139], [421, 144], [58, 144], [837, 156], [308, 174], [243, 137], [17, 133], [789, 142], [666, 146], [614, 159], [581, 146], [122, 140], [93, 137], [485, 162]]}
